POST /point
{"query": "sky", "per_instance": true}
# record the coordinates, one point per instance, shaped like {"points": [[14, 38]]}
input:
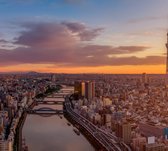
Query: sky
{"points": [[83, 36]]}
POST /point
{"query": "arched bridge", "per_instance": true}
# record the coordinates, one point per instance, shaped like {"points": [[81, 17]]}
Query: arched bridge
{"points": [[44, 110], [52, 102], [56, 96]]}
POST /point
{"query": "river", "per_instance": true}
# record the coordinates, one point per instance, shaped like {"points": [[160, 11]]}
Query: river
{"points": [[51, 133]]}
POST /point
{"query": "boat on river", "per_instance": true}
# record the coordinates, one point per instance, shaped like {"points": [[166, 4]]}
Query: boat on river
{"points": [[76, 131], [68, 124]]}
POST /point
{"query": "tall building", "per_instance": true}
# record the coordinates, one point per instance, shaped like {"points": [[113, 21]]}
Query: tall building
{"points": [[78, 87], [167, 56], [53, 78], [123, 131], [144, 78], [89, 90], [86, 89], [83, 89], [93, 89]]}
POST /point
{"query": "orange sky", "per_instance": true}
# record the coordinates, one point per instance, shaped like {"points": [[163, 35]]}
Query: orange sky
{"points": [[106, 69]]}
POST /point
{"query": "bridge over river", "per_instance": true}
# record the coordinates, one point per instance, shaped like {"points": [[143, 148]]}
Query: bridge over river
{"points": [[49, 102], [50, 132], [44, 110], [107, 141]]}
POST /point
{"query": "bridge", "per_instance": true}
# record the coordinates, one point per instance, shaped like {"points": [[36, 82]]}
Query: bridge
{"points": [[56, 96], [44, 110], [51, 102]]}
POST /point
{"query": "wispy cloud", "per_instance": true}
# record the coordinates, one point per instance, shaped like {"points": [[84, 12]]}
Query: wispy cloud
{"points": [[146, 19]]}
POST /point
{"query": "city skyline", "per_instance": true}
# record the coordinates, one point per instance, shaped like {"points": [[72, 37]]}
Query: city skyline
{"points": [[82, 36]]}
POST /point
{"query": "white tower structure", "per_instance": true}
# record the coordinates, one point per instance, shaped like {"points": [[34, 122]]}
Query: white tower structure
{"points": [[167, 55]]}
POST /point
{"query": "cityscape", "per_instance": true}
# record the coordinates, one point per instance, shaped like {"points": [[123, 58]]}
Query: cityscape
{"points": [[83, 75]]}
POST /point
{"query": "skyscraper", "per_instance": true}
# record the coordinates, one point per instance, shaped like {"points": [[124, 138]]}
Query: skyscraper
{"points": [[86, 89], [167, 55], [89, 90], [78, 87], [144, 78], [83, 88]]}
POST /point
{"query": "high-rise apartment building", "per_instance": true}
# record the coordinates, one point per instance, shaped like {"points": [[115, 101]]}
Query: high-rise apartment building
{"points": [[89, 90], [123, 131], [86, 89], [83, 88], [78, 87]]}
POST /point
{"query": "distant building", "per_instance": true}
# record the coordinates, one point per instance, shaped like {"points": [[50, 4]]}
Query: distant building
{"points": [[144, 78], [53, 78]]}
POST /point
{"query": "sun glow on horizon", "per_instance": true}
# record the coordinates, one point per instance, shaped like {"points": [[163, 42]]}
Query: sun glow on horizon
{"points": [[138, 69]]}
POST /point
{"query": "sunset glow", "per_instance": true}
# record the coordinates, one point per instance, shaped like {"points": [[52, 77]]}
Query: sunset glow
{"points": [[74, 36]]}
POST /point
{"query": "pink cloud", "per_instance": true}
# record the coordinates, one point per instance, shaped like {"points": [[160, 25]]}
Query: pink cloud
{"points": [[62, 43]]}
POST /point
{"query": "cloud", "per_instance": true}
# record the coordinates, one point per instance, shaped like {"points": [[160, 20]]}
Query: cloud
{"points": [[82, 31], [63, 44], [2, 41], [55, 34], [145, 19], [118, 61], [100, 50], [46, 35]]}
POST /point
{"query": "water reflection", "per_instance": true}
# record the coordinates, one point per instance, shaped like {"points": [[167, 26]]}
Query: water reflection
{"points": [[52, 134]]}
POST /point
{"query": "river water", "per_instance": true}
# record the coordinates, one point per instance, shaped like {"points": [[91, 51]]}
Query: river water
{"points": [[51, 133]]}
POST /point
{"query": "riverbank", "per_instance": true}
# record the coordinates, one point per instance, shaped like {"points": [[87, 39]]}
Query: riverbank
{"points": [[18, 136]]}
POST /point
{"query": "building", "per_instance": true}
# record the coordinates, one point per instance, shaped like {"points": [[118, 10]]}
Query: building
{"points": [[6, 145], [53, 78], [144, 78], [155, 147], [123, 131], [139, 143], [85, 89], [151, 130], [89, 90], [78, 87]]}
